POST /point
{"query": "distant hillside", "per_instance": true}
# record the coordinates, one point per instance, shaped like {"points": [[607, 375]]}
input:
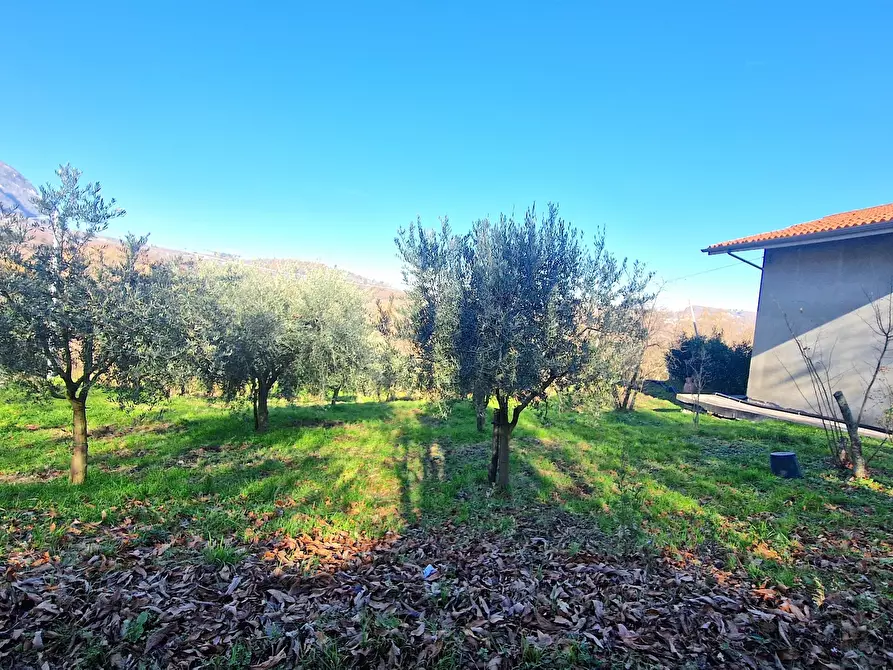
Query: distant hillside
{"points": [[377, 289], [16, 191], [735, 325], [287, 266]]}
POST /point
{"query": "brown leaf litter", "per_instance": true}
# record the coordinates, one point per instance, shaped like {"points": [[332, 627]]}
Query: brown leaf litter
{"points": [[486, 602]]}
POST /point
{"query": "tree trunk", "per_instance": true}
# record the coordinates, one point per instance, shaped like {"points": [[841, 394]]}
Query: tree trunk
{"points": [[630, 390], [852, 429], [79, 453], [480, 401], [494, 458], [504, 431], [254, 403], [498, 472], [335, 391], [618, 403], [261, 412]]}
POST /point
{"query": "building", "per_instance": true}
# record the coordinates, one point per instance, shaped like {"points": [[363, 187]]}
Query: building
{"points": [[827, 285]]}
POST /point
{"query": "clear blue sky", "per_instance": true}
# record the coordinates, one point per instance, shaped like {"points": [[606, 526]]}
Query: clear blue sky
{"points": [[314, 131]]}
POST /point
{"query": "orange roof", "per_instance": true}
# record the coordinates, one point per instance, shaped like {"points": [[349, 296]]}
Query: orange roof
{"points": [[823, 227]]}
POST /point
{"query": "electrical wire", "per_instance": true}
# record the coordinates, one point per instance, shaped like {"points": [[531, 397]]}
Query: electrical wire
{"points": [[702, 272]]}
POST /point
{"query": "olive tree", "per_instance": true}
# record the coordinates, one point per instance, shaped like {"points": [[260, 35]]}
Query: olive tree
{"points": [[512, 310], [74, 313], [388, 368], [336, 349], [249, 322]]}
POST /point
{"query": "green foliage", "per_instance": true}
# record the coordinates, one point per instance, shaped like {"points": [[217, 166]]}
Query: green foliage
{"points": [[531, 654], [266, 332], [629, 515], [70, 315], [433, 319], [251, 330], [389, 365], [239, 657], [74, 315], [513, 309], [219, 553], [726, 367], [94, 652], [336, 349]]}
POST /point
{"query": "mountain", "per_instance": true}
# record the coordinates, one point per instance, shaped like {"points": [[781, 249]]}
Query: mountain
{"points": [[16, 191], [736, 325], [668, 324]]}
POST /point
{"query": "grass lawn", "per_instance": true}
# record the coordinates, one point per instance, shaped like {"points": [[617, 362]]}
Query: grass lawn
{"points": [[195, 480]]}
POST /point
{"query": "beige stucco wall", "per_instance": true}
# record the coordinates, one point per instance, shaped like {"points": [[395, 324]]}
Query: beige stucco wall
{"points": [[822, 294]]}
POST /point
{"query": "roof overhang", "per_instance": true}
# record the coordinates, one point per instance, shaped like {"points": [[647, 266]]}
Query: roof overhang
{"points": [[866, 230]]}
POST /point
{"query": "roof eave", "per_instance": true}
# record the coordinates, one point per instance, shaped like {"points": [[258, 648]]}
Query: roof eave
{"points": [[802, 240]]}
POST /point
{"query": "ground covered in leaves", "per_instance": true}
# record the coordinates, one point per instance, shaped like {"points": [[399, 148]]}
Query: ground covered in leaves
{"points": [[366, 536]]}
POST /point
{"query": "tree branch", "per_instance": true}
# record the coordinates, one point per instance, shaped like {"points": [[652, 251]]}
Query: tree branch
{"points": [[885, 331], [516, 412], [55, 365]]}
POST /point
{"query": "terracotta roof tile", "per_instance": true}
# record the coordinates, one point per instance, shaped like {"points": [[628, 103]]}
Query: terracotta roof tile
{"points": [[858, 217]]}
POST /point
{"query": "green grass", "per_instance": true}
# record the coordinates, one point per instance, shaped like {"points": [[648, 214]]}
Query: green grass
{"points": [[646, 478], [218, 553]]}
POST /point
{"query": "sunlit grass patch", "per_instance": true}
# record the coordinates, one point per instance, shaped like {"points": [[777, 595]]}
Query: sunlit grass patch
{"points": [[366, 468]]}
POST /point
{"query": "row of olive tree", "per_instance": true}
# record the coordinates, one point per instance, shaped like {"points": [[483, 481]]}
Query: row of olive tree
{"points": [[260, 332], [76, 314], [515, 310]]}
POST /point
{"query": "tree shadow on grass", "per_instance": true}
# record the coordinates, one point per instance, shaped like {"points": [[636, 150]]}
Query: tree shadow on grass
{"points": [[370, 467], [710, 487], [714, 484], [149, 445], [442, 474], [214, 464]]}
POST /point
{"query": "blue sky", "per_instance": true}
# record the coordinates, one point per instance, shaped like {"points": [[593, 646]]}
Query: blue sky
{"points": [[315, 130]]}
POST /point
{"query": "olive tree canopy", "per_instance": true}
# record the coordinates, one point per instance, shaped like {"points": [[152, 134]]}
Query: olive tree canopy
{"points": [[511, 310], [76, 312], [338, 342], [252, 331]]}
